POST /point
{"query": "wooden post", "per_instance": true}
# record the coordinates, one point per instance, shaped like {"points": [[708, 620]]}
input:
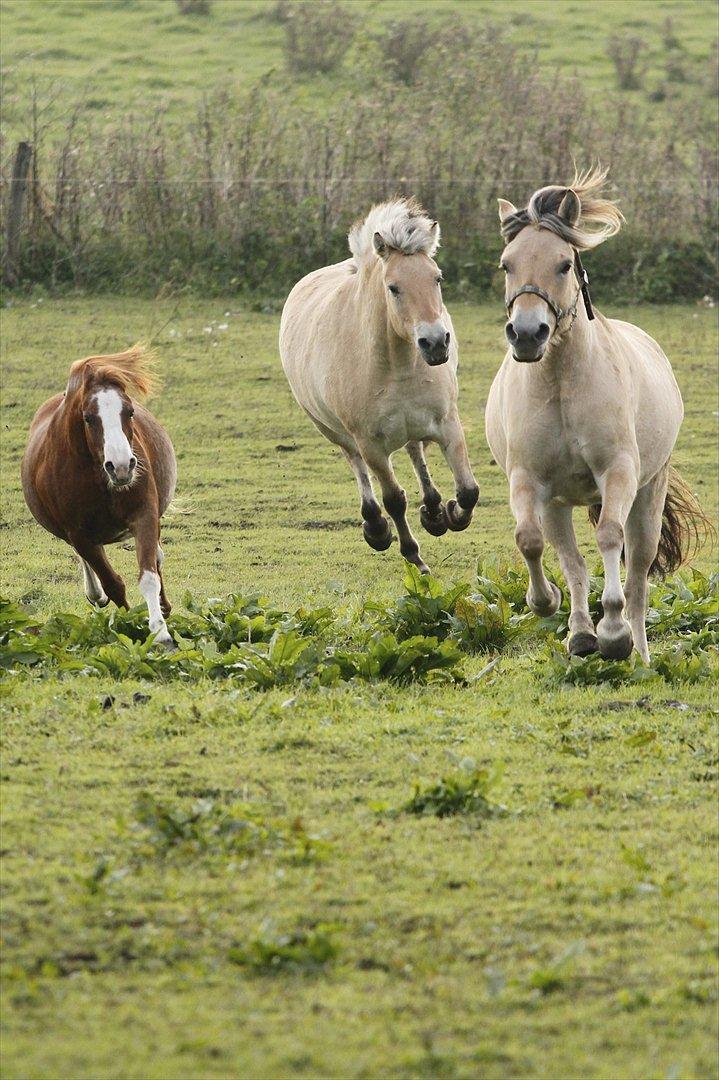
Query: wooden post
{"points": [[15, 207]]}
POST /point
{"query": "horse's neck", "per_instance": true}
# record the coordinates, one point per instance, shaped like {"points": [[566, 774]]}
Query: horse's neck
{"points": [[394, 351], [573, 356]]}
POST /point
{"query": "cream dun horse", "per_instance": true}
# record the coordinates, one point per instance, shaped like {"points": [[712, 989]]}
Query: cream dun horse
{"points": [[584, 411], [370, 354]]}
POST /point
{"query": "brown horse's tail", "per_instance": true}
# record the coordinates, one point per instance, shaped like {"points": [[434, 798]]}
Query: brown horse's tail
{"points": [[685, 527]]}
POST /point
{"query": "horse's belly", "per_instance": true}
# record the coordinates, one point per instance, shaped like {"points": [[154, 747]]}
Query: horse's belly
{"points": [[573, 484]]}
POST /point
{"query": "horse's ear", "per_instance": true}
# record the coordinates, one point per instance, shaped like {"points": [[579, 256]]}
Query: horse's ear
{"points": [[570, 207], [505, 209], [380, 245]]}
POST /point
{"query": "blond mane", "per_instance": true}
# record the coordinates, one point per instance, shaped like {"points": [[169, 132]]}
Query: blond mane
{"points": [[403, 225], [599, 217], [132, 370]]}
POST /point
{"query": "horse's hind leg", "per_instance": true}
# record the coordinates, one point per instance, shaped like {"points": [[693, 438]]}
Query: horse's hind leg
{"points": [[94, 556], [165, 605], [431, 512], [559, 529], [395, 502], [543, 598], [618, 487], [93, 586], [641, 541], [375, 526], [146, 534]]}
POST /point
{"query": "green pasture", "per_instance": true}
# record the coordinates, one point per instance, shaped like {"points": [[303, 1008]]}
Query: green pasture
{"points": [[120, 56], [207, 880]]}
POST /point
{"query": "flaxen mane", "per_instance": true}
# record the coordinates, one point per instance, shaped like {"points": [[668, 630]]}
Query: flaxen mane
{"points": [[543, 208], [402, 224], [132, 370]]}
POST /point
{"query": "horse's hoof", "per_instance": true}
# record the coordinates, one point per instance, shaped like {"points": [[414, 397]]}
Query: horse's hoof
{"points": [[615, 646], [435, 524], [379, 539], [165, 642], [457, 519], [583, 644], [550, 607], [101, 603]]}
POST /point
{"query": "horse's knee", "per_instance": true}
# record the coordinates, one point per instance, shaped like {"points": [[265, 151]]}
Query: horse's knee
{"points": [[467, 496], [396, 503], [610, 536], [530, 541]]}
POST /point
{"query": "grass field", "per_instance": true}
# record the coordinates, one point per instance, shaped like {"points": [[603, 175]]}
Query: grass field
{"points": [[137, 55], [202, 880]]}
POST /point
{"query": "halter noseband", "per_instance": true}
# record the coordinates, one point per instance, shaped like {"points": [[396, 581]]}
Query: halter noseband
{"points": [[559, 312]]}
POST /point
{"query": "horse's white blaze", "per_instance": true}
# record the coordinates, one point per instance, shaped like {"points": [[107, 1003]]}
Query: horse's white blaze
{"points": [[150, 589], [117, 449]]}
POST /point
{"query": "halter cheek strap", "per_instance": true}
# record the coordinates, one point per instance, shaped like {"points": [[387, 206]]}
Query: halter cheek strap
{"points": [[559, 312]]}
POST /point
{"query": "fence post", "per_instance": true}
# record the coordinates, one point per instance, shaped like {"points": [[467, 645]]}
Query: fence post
{"points": [[16, 202]]}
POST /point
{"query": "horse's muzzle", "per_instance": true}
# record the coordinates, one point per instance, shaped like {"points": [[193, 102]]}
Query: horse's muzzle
{"points": [[435, 351]]}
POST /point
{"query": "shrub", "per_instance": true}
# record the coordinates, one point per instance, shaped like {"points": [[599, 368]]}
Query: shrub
{"points": [[318, 35], [194, 7], [402, 46], [627, 53]]}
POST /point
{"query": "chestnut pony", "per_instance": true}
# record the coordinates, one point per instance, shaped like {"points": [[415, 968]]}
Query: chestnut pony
{"points": [[98, 468]]}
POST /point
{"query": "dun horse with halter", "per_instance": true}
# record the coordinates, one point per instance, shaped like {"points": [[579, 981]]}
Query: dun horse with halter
{"points": [[98, 468], [584, 411], [370, 353]]}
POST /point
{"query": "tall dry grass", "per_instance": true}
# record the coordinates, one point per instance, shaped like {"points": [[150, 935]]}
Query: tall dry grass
{"points": [[251, 192]]}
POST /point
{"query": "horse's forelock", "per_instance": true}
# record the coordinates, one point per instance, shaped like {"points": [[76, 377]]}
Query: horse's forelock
{"points": [[130, 371], [403, 225]]}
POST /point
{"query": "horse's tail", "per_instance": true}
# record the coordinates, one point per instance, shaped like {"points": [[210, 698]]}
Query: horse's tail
{"points": [[685, 526]]}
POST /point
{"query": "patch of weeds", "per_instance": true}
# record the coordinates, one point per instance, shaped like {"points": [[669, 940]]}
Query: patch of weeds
{"points": [[482, 620], [467, 791], [554, 977], [684, 604], [299, 950], [562, 800], [206, 827]]}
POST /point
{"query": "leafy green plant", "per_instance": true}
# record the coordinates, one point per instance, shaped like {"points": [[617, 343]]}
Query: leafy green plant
{"points": [[297, 950], [467, 791]]}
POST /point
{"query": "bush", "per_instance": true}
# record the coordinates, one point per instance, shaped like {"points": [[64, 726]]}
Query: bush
{"points": [[194, 7], [627, 55], [318, 35]]}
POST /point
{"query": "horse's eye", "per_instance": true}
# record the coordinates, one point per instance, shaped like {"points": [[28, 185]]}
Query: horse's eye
{"points": [[565, 268], [394, 289], [88, 418], [439, 280], [503, 266], [130, 413]]}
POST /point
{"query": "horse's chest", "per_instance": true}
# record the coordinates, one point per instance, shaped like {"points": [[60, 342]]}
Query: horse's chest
{"points": [[401, 420]]}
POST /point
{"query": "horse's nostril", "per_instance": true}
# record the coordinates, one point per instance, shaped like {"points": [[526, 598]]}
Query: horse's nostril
{"points": [[446, 339], [542, 333], [511, 333], [133, 462], [423, 342], [109, 467]]}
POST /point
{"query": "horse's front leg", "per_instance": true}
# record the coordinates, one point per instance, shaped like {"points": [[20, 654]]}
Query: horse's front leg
{"points": [[559, 529], [431, 513], [375, 527], [525, 499], [454, 448], [395, 502], [618, 487], [146, 548]]}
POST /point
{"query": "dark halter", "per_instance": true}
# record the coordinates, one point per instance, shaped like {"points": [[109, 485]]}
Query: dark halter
{"points": [[558, 312]]}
